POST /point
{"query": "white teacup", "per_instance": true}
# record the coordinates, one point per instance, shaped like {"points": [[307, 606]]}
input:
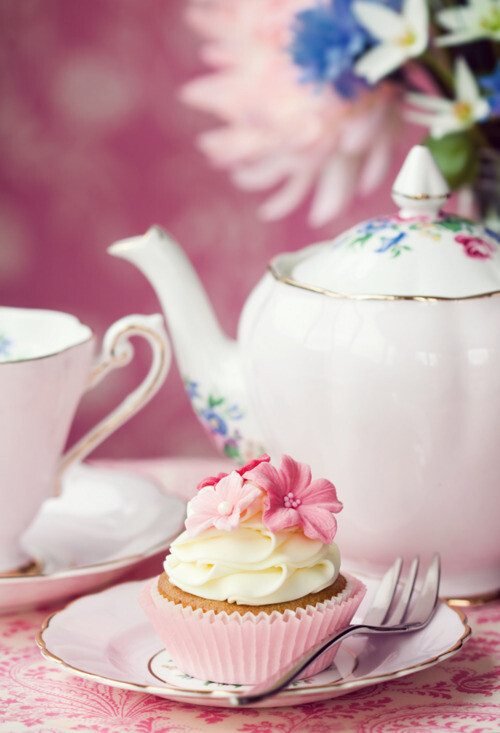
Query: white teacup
{"points": [[46, 365]]}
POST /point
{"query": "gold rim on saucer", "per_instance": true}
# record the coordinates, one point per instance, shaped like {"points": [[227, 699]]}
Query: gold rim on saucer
{"points": [[33, 567], [478, 600]]}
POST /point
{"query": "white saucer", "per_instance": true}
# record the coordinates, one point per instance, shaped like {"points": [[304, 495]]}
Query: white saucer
{"points": [[104, 522], [127, 653]]}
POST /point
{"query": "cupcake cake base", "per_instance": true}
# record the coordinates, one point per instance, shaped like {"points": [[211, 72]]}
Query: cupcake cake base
{"points": [[224, 642]]}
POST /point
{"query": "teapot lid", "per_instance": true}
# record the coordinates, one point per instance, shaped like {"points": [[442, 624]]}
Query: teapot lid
{"points": [[420, 252]]}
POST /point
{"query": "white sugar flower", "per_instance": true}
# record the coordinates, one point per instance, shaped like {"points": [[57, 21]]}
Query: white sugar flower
{"points": [[402, 36], [451, 115], [478, 19]]}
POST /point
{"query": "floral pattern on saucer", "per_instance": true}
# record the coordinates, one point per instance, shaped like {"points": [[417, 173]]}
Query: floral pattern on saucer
{"points": [[162, 666]]}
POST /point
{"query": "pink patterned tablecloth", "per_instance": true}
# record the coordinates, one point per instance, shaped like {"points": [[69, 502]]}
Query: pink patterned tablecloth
{"points": [[460, 694]]}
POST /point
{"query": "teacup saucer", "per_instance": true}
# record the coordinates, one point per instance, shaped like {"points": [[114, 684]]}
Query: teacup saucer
{"points": [[127, 653], [104, 522]]}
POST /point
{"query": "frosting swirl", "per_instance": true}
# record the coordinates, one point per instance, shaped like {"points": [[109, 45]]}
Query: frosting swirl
{"points": [[251, 565]]}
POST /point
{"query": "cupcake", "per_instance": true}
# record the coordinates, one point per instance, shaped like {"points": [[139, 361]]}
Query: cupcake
{"points": [[254, 581]]}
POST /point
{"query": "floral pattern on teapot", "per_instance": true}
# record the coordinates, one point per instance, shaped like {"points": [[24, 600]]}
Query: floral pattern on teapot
{"points": [[389, 234], [221, 418]]}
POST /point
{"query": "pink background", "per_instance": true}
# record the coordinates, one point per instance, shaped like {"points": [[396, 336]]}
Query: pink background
{"points": [[95, 147]]}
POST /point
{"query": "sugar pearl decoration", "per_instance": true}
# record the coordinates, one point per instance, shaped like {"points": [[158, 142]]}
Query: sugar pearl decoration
{"points": [[224, 507], [290, 502]]}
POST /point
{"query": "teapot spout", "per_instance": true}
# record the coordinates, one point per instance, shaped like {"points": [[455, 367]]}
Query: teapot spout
{"points": [[209, 361], [194, 329]]}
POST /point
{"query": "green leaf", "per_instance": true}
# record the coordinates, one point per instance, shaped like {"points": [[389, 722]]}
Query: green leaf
{"points": [[214, 401], [453, 224], [231, 451], [456, 155], [360, 240]]}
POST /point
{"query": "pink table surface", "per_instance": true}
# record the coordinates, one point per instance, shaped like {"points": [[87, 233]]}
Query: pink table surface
{"points": [[460, 694]]}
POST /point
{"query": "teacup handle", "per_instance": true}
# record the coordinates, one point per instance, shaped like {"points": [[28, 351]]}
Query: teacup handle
{"points": [[117, 351]]}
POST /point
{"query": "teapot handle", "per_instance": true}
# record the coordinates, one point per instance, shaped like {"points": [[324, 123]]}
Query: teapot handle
{"points": [[117, 351]]}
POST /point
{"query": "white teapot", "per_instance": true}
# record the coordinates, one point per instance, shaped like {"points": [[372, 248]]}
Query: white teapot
{"points": [[375, 357]]}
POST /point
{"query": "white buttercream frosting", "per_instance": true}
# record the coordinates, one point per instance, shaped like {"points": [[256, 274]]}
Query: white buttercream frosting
{"points": [[251, 565]]}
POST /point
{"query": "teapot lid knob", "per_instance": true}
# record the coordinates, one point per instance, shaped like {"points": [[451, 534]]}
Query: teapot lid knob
{"points": [[420, 188]]}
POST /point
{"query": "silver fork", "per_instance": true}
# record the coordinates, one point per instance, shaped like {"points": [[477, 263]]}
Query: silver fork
{"points": [[384, 615]]}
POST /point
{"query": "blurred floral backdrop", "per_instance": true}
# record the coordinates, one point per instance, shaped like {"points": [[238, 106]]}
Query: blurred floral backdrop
{"points": [[96, 145]]}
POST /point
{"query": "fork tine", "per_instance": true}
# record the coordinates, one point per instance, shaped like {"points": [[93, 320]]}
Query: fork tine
{"points": [[384, 596], [397, 616], [429, 595]]}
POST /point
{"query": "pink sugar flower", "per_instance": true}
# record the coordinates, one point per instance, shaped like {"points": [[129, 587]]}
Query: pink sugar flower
{"points": [[221, 506], [294, 500], [212, 480]]}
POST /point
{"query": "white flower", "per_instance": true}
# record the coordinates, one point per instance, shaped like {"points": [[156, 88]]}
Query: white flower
{"points": [[401, 35], [451, 115], [478, 19]]}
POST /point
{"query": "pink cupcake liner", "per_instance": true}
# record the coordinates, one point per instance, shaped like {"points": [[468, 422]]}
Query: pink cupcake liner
{"points": [[247, 649]]}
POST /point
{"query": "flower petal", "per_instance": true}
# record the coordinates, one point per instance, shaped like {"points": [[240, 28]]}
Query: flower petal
{"points": [[296, 476], [380, 61], [426, 119], [264, 174], [454, 39], [334, 190], [481, 110], [446, 123], [416, 13], [267, 478], [198, 523], [211, 480], [382, 22], [229, 487], [226, 146], [203, 509], [453, 19], [227, 523], [288, 197], [426, 101], [278, 519], [377, 163], [322, 493], [264, 458], [318, 523]]}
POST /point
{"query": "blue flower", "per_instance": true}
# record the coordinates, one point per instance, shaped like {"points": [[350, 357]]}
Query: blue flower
{"points": [[491, 83], [234, 412], [215, 423], [389, 242], [191, 389], [327, 41]]}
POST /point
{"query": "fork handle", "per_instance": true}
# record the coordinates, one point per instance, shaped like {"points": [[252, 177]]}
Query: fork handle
{"points": [[281, 679]]}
